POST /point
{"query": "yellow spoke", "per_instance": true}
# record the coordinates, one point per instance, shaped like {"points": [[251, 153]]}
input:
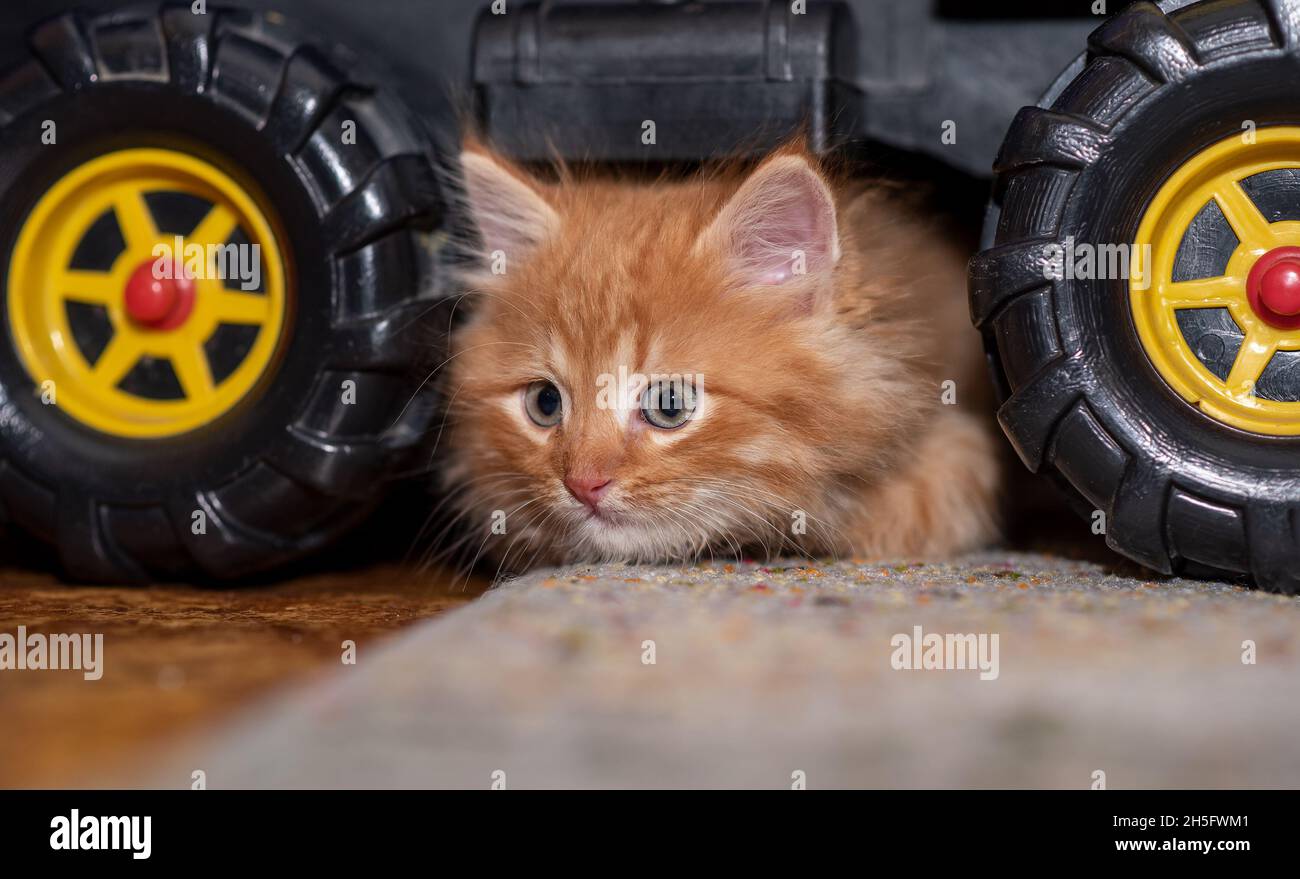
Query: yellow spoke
{"points": [[46, 288], [1247, 222], [135, 220], [1204, 292], [121, 354], [241, 308], [1146, 266], [215, 228], [1256, 351], [191, 365], [94, 288]]}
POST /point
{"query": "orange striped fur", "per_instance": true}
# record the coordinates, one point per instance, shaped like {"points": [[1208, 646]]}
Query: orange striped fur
{"points": [[821, 391]]}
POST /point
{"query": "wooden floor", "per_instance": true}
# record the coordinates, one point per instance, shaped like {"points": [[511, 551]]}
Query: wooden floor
{"points": [[181, 659]]}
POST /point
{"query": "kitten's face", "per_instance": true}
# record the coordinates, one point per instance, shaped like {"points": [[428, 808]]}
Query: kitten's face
{"points": [[639, 382]]}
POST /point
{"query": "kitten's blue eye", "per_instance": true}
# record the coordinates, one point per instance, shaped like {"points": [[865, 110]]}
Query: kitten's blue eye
{"points": [[668, 404], [543, 404]]}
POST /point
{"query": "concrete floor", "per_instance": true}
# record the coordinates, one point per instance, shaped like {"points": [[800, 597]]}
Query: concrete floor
{"points": [[768, 675]]}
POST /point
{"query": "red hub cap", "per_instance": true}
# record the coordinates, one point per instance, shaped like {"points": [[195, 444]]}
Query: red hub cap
{"points": [[1273, 287], [159, 303]]}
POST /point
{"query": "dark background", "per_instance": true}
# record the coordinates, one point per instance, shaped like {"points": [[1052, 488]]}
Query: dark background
{"points": [[916, 62]]}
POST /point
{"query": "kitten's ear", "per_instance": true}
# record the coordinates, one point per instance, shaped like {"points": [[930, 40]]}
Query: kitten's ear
{"points": [[510, 215], [779, 225]]}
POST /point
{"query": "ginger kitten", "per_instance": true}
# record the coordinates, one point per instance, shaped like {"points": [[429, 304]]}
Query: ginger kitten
{"points": [[659, 370]]}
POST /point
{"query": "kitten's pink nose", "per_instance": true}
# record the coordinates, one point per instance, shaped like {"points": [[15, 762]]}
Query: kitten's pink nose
{"points": [[588, 489]]}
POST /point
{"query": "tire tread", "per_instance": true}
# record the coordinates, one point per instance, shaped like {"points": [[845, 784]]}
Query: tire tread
{"points": [[288, 503], [1057, 418]]}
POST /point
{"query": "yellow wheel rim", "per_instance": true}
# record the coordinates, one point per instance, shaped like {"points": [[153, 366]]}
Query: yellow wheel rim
{"points": [[1215, 174], [97, 388]]}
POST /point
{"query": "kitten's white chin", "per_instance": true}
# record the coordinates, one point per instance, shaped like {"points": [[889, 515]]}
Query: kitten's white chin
{"points": [[616, 537]]}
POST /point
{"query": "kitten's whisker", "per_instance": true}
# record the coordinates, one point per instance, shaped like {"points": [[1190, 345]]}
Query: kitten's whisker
{"points": [[439, 367], [732, 523], [778, 502], [522, 533], [489, 535], [694, 539], [450, 526], [478, 292], [785, 540], [534, 542]]}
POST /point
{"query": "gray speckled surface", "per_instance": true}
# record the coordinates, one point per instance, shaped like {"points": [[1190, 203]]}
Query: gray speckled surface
{"points": [[764, 670]]}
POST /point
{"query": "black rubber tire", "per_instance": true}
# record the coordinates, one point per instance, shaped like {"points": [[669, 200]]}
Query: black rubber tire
{"points": [[1182, 493], [291, 466]]}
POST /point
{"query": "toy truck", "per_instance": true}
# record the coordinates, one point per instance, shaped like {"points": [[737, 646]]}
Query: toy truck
{"points": [[1138, 290]]}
